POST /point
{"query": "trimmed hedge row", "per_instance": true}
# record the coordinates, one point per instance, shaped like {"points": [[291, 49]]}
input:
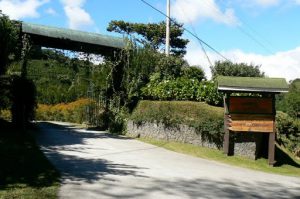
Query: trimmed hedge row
{"points": [[206, 119]]}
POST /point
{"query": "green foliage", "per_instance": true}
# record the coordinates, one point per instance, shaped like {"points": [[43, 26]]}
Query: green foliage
{"points": [[169, 66], [290, 102], [152, 34], [5, 85], [227, 68], [181, 88], [59, 78], [193, 72], [206, 119], [288, 131], [139, 65], [9, 35], [208, 92]]}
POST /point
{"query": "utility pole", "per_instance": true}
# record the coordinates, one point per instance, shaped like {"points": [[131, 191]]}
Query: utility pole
{"points": [[168, 29]]}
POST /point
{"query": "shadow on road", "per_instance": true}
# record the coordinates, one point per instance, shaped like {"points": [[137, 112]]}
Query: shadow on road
{"points": [[56, 139], [197, 188], [68, 151]]}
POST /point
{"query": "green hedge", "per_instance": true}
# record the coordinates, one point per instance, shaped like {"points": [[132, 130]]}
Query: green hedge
{"points": [[182, 88], [206, 119]]}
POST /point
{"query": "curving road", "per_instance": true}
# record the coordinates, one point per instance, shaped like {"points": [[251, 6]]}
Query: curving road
{"points": [[97, 165]]}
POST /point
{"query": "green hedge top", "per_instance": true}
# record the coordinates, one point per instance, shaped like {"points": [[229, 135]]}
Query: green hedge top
{"points": [[252, 84], [181, 112]]}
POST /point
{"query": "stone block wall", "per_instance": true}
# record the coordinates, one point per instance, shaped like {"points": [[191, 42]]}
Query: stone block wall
{"points": [[244, 144]]}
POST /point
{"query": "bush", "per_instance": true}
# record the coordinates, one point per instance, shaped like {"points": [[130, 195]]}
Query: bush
{"points": [[181, 88], [288, 132], [72, 112], [5, 114], [206, 119], [193, 72]]}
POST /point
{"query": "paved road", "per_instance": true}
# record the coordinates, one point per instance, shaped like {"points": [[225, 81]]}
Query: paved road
{"points": [[96, 165]]}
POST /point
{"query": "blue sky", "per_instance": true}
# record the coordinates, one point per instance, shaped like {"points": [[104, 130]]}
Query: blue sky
{"points": [[262, 32]]}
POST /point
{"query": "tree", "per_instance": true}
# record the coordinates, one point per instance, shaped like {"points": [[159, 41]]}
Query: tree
{"points": [[290, 102], [9, 35], [152, 34], [193, 72], [227, 68]]}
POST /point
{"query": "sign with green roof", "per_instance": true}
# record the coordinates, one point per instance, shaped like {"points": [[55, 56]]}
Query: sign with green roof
{"points": [[252, 84]]}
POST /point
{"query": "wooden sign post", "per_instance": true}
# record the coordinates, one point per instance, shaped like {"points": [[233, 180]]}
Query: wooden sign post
{"points": [[250, 114], [253, 112]]}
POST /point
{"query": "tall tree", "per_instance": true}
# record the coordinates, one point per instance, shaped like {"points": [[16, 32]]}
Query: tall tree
{"points": [[9, 35], [227, 68], [152, 34]]}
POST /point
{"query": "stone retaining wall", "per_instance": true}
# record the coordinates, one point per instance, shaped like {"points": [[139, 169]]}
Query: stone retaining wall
{"points": [[246, 145]]}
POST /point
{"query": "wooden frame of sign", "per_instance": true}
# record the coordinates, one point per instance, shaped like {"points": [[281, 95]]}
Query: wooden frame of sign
{"points": [[252, 113]]}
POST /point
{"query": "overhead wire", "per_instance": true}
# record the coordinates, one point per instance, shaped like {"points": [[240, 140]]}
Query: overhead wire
{"points": [[248, 34], [187, 30], [202, 47]]}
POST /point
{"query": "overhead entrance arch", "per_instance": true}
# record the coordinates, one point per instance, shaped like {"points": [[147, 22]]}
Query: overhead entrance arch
{"points": [[71, 40], [74, 40]]}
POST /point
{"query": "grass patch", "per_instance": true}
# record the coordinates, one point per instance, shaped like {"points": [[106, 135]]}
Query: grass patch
{"points": [[24, 170], [285, 165]]}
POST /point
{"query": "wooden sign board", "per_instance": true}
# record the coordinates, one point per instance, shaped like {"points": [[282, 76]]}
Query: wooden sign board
{"points": [[251, 126], [250, 105], [249, 114]]}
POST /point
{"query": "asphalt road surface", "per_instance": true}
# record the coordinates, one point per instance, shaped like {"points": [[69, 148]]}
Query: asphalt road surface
{"points": [[97, 165]]}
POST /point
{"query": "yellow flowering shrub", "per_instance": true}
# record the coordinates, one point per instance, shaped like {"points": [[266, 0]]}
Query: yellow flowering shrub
{"points": [[70, 112], [5, 114]]}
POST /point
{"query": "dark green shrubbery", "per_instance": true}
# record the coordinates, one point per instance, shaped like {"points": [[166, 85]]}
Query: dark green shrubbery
{"points": [[206, 119], [23, 92], [288, 132], [290, 102]]}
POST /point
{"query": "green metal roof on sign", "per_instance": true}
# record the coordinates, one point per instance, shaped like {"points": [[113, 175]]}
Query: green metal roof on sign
{"points": [[72, 39], [252, 84]]}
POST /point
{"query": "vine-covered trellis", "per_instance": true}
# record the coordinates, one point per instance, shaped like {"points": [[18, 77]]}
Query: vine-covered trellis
{"points": [[89, 47]]}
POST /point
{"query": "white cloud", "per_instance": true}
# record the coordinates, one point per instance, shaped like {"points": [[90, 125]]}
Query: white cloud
{"points": [[189, 11], [18, 9], [51, 11], [281, 64], [77, 16], [297, 2]]}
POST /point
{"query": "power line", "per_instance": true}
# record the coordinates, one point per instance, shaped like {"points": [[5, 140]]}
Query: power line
{"points": [[194, 35], [202, 47], [248, 34]]}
